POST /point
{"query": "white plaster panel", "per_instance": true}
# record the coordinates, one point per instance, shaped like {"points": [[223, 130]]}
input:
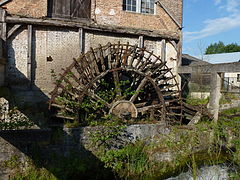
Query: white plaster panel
{"points": [[62, 45], [17, 59], [171, 58], [93, 40], [40, 58], [153, 45], [17, 53]]}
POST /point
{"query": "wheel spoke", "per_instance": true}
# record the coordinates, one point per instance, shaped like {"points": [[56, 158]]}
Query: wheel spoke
{"points": [[125, 55], [140, 86], [94, 62], [101, 57], [147, 108], [139, 105], [97, 98], [117, 83], [109, 56]]}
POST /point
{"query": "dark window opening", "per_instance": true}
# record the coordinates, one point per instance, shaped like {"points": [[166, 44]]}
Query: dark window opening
{"points": [[238, 77], [69, 9]]}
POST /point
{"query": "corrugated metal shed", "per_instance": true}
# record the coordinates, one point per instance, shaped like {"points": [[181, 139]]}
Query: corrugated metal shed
{"points": [[222, 58]]}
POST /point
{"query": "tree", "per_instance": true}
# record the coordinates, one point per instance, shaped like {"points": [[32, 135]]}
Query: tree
{"points": [[220, 47]]}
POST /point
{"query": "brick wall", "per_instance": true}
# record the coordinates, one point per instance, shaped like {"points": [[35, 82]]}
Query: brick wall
{"points": [[28, 8], [110, 12], [175, 7]]}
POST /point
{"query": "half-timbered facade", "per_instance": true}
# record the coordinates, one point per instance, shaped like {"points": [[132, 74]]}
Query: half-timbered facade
{"points": [[42, 36]]}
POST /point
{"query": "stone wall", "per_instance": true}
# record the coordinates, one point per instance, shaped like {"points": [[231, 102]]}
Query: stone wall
{"points": [[16, 148], [20, 147], [233, 104]]}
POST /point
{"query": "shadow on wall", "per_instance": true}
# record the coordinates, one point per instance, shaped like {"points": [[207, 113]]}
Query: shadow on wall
{"points": [[56, 151], [20, 91]]}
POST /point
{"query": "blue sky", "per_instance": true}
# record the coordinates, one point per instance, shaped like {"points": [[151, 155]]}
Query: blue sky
{"points": [[209, 21]]}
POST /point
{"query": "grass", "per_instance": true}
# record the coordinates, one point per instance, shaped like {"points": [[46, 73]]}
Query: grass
{"points": [[204, 144], [195, 102], [35, 174]]}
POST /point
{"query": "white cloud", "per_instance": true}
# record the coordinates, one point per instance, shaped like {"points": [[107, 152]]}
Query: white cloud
{"points": [[213, 27], [233, 6], [218, 25], [217, 2]]}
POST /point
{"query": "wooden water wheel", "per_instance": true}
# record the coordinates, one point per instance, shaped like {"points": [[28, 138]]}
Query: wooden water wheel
{"points": [[118, 79]]}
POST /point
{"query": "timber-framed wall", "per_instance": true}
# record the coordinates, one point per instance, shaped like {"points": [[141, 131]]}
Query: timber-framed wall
{"points": [[35, 46]]}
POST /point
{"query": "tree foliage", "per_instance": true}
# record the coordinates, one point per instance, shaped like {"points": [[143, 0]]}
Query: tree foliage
{"points": [[220, 47]]}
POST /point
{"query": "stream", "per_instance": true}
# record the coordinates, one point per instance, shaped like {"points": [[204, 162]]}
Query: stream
{"points": [[215, 172]]}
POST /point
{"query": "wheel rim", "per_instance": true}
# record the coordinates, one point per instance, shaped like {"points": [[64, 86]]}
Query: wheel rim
{"points": [[152, 85]]}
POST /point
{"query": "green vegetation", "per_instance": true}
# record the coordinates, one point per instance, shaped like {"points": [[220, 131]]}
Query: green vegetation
{"points": [[89, 112], [198, 87], [195, 102], [15, 120], [105, 135], [35, 174], [220, 47], [185, 147], [21, 115], [57, 167], [228, 97]]}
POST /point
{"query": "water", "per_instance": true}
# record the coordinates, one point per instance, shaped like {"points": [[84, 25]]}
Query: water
{"points": [[215, 172]]}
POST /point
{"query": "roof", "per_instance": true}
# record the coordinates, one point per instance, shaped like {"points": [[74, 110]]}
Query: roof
{"points": [[222, 58], [188, 60]]}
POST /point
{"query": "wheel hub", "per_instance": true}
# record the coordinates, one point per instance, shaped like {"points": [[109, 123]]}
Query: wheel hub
{"points": [[124, 108]]}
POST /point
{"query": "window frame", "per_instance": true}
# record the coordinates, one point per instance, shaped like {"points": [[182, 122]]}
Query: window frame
{"points": [[139, 8]]}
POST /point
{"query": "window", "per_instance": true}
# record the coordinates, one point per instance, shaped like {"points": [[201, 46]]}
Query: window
{"points": [[139, 6], [70, 9], [238, 77], [130, 5], [147, 6]]}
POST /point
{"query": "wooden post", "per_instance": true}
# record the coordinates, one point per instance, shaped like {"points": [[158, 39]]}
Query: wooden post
{"points": [[163, 52], [29, 60], [215, 95], [3, 46], [81, 40], [179, 51], [13, 30], [141, 42], [3, 32]]}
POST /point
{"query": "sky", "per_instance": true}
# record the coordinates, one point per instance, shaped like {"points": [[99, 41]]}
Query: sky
{"points": [[209, 21]]}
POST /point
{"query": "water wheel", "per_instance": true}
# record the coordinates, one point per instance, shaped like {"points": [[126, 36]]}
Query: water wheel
{"points": [[121, 80]]}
